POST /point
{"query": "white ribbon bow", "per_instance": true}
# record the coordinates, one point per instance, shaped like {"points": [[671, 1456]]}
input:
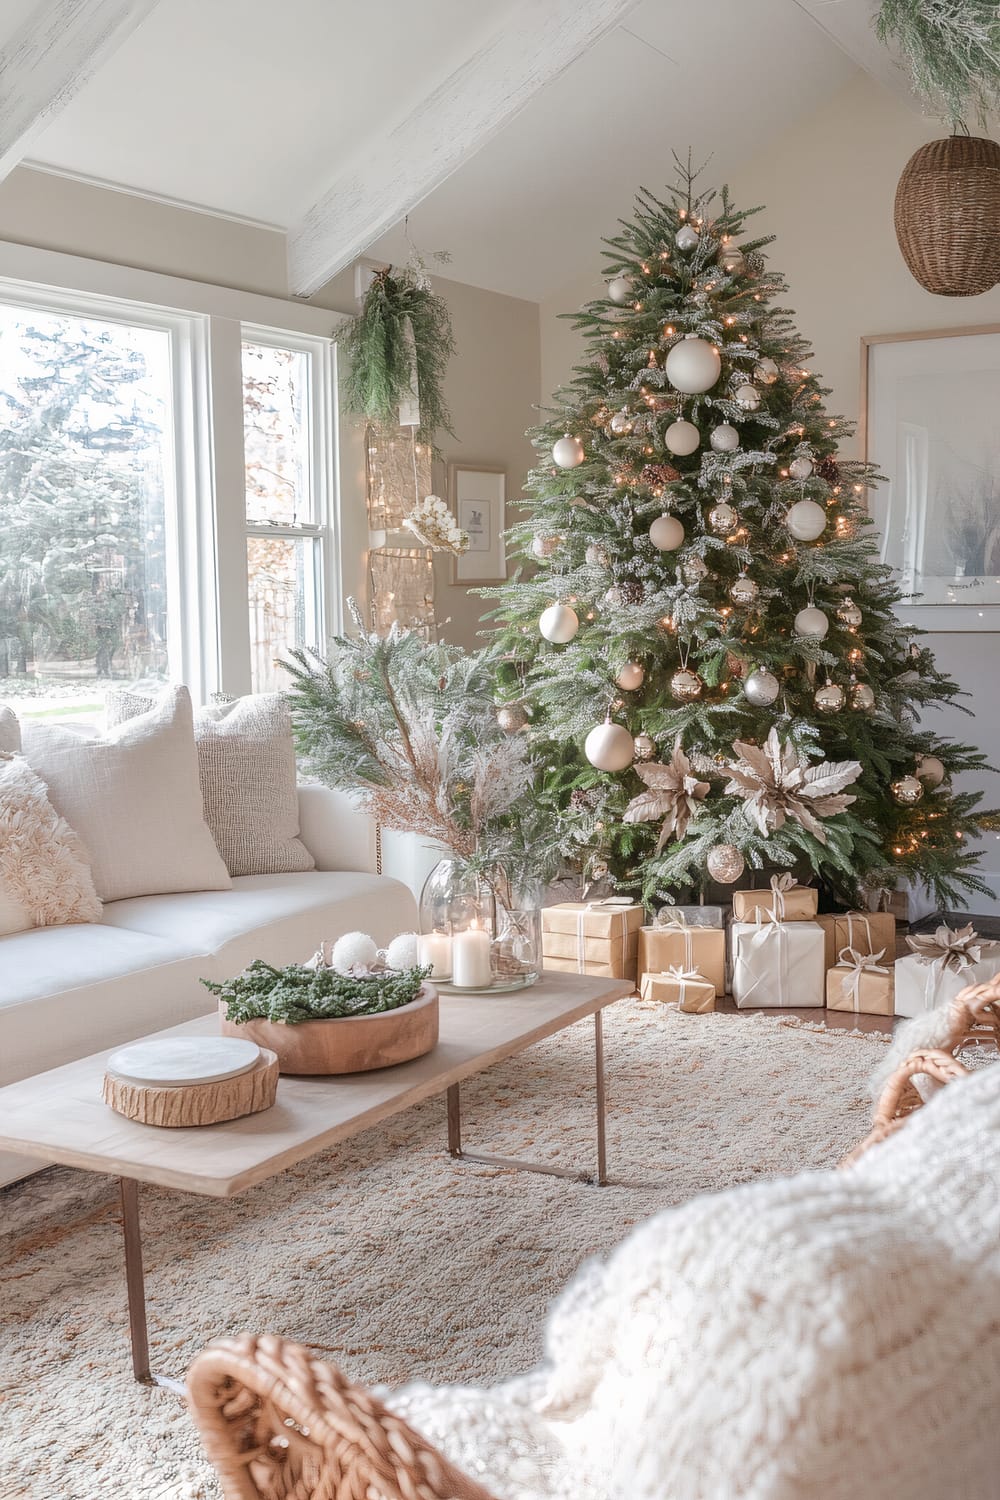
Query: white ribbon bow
{"points": [[858, 963], [780, 886]]}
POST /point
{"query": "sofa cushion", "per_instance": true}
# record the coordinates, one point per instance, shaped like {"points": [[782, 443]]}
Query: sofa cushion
{"points": [[45, 879], [10, 731]]}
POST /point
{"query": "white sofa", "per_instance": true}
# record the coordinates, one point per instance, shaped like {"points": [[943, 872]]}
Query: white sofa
{"points": [[69, 991]]}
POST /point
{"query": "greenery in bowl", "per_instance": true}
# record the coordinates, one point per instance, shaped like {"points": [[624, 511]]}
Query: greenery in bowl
{"points": [[297, 993]]}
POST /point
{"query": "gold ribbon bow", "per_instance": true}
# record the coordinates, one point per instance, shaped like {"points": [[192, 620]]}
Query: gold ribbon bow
{"points": [[858, 963]]}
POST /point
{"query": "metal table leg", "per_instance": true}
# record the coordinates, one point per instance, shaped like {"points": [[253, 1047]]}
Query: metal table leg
{"points": [[135, 1285]]}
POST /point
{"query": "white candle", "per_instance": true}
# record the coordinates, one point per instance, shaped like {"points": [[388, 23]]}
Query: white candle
{"points": [[470, 954], [435, 949]]}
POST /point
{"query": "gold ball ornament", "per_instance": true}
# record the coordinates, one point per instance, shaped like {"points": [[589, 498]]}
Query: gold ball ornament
{"points": [[732, 260], [512, 717], [567, 452], [861, 697], [829, 699], [848, 613], [747, 396], [811, 623], [621, 423], [907, 791], [644, 747], [597, 556], [725, 863], [766, 371], [631, 677], [694, 569], [686, 686], [744, 591], [723, 518], [930, 769]]}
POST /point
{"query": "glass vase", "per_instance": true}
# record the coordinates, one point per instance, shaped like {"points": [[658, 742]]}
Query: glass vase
{"points": [[457, 925]]}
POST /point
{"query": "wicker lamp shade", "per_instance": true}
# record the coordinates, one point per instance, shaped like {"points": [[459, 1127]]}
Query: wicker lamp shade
{"points": [[947, 216]]}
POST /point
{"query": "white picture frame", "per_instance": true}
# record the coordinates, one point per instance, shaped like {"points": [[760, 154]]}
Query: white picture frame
{"points": [[478, 497], [930, 405]]}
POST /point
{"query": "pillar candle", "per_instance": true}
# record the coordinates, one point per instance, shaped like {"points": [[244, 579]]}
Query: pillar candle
{"points": [[471, 967], [435, 949]]}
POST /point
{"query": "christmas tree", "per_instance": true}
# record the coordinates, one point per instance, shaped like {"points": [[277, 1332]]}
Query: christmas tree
{"points": [[703, 647]]}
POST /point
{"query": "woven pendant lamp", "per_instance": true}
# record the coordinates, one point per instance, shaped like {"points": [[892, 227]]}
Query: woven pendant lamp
{"points": [[947, 216]]}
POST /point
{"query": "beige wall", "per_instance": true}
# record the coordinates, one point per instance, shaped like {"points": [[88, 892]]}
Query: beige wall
{"points": [[493, 382]]}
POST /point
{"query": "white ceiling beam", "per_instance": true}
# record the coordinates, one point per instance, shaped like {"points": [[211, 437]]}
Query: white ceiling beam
{"points": [[50, 57], [849, 24], [399, 166]]}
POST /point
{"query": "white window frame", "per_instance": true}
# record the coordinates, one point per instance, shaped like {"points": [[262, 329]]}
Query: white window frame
{"points": [[208, 619]]}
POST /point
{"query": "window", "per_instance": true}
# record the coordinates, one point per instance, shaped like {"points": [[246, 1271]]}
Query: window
{"points": [[87, 508]]}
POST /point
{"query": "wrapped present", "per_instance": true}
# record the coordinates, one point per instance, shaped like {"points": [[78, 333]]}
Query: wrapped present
{"points": [[864, 931], [861, 983], [685, 988], [941, 964], [778, 963], [593, 937], [697, 916], [670, 942], [785, 899]]}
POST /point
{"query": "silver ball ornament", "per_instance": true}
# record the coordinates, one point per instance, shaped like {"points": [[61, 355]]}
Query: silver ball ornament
{"points": [[666, 533], [723, 518], [558, 623], [761, 688], [682, 438], [512, 717], [829, 699], [609, 747], [930, 769], [907, 791], [694, 569], [744, 591], [848, 613], [631, 677], [766, 371], [800, 468], [621, 423], [545, 546], [693, 366], [686, 685], [811, 623], [597, 556], [686, 237], [747, 396], [620, 289], [725, 863], [725, 438], [732, 260], [806, 520], [861, 697], [644, 747], [568, 452]]}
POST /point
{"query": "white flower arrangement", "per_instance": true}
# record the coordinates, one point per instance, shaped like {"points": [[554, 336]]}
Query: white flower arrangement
{"points": [[433, 524]]}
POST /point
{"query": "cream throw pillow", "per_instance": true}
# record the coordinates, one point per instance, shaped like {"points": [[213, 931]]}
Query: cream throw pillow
{"points": [[134, 798], [45, 880], [246, 760], [10, 731]]}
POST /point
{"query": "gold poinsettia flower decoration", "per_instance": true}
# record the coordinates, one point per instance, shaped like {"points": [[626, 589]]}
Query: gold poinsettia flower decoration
{"points": [[779, 782], [672, 793]]}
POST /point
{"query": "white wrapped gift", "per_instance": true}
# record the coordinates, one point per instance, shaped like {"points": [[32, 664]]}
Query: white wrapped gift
{"points": [[778, 963], [941, 964]]}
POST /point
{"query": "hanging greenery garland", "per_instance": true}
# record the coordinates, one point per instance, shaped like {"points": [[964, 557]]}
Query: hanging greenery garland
{"points": [[952, 48], [399, 347]]}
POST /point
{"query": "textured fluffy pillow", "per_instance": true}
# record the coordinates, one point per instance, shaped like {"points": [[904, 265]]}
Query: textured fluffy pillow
{"points": [[246, 761], [134, 798], [10, 731], [45, 880]]}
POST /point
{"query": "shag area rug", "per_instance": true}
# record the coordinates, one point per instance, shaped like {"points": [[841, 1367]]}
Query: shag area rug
{"points": [[387, 1255]]}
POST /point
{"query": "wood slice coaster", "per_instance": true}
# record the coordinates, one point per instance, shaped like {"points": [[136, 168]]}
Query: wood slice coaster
{"points": [[196, 1103]]}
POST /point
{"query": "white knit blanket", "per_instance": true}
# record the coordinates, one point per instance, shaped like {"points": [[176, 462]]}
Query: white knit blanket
{"points": [[831, 1336]]}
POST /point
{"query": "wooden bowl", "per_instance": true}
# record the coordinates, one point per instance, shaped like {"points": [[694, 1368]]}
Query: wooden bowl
{"points": [[346, 1044]]}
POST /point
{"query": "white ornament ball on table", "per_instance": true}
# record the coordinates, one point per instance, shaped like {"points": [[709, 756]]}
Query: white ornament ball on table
{"points": [[686, 237], [907, 791], [666, 533], [761, 688], [725, 438], [558, 624], [620, 289], [355, 950], [694, 569], [800, 468], [682, 438], [725, 863], [686, 685], [766, 371], [811, 623], [723, 518], [644, 747], [404, 951], [568, 452], [930, 769], [829, 699], [693, 366], [621, 423], [631, 677], [743, 591], [862, 697], [747, 396], [609, 747], [806, 520]]}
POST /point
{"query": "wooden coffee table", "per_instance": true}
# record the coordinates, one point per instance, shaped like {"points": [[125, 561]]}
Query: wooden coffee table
{"points": [[60, 1117]]}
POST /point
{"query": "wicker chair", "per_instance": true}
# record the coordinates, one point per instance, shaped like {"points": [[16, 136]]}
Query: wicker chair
{"points": [[279, 1424]]}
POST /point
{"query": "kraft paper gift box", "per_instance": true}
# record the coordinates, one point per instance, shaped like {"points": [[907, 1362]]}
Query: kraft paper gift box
{"points": [[697, 916], [784, 899], [941, 964], [864, 931], [688, 991], [668, 945], [778, 964], [593, 937], [861, 982]]}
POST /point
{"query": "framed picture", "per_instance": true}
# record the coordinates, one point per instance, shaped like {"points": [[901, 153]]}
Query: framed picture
{"points": [[931, 420], [478, 495]]}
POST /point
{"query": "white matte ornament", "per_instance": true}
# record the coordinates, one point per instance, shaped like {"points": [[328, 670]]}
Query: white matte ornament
{"points": [[404, 951], [666, 533], [558, 624], [811, 623], [355, 950], [568, 452], [930, 769], [631, 677], [761, 688], [686, 685], [806, 520], [725, 438], [800, 468], [747, 396], [723, 519], [609, 747], [620, 289], [682, 438], [829, 699], [686, 238], [693, 366], [725, 863], [766, 371]]}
